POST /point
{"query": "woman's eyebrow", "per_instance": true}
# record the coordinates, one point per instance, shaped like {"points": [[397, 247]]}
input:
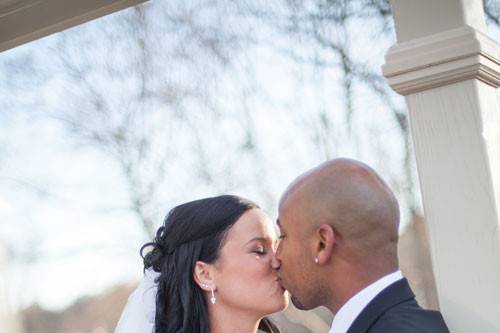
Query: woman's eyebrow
{"points": [[261, 238]]}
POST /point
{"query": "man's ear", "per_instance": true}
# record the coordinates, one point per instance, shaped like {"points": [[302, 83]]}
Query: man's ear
{"points": [[325, 242], [203, 276]]}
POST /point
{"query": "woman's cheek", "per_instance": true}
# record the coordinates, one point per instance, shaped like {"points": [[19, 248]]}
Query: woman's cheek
{"points": [[263, 266]]}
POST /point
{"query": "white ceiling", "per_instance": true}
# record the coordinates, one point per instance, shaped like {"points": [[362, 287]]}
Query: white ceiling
{"points": [[22, 21]]}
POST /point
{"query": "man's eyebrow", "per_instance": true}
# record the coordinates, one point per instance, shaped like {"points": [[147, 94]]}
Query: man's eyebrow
{"points": [[278, 222]]}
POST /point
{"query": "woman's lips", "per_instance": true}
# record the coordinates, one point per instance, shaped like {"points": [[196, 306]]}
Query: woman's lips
{"points": [[278, 280], [279, 288]]}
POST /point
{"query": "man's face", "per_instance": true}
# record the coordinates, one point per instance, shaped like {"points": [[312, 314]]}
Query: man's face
{"points": [[293, 256]]}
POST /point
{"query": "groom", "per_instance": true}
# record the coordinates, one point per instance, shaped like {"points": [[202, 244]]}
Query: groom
{"points": [[339, 232]]}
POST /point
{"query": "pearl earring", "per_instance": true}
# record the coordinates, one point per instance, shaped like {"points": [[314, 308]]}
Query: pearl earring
{"points": [[316, 260], [213, 299]]}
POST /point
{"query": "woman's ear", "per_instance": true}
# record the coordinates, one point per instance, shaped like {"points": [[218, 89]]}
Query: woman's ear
{"points": [[203, 275], [326, 240]]}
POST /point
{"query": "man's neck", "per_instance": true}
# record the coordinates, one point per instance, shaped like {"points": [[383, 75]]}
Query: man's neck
{"points": [[349, 311], [350, 283]]}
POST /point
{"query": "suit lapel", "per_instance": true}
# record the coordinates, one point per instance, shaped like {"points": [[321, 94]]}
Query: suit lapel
{"points": [[394, 294]]}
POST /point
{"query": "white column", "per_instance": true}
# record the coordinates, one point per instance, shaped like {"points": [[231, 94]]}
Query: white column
{"points": [[448, 70]]}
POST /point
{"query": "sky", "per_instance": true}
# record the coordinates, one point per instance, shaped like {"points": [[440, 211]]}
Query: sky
{"points": [[63, 214]]}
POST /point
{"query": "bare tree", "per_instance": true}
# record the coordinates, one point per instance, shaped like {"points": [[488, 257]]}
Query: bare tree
{"points": [[327, 34], [135, 103], [492, 11]]}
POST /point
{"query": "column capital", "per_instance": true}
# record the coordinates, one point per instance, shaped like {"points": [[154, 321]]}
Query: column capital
{"points": [[441, 59]]}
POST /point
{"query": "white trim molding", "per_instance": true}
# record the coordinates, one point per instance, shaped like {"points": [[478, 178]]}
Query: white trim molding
{"points": [[441, 59]]}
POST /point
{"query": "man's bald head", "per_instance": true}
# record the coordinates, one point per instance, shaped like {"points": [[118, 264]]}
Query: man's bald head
{"points": [[351, 198]]}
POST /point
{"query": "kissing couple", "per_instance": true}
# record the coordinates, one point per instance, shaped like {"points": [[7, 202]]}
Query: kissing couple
{"points": [[216, 265]]}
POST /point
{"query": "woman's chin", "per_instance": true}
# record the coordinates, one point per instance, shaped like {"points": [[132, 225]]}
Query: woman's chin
{"points": [[279, 303], [284, 295], [284, 299]]}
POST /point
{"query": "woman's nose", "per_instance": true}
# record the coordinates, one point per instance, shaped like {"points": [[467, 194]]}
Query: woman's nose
{"points": [[275, 263]]}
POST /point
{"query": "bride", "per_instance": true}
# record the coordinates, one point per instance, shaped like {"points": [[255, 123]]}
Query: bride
{"points": [[208, 270]]}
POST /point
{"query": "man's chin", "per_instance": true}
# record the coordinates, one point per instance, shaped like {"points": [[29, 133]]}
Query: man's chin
{"points": [[297, 303]]}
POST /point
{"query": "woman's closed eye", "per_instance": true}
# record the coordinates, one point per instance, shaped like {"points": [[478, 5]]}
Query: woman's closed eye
{"points": [[260, 250]]}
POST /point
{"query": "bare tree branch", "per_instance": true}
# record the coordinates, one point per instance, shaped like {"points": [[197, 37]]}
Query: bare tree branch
{"points": [[492, 11]]}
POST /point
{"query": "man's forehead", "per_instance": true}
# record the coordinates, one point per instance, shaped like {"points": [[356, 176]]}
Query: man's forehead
{"points": [[293, 192], [290, 211]]}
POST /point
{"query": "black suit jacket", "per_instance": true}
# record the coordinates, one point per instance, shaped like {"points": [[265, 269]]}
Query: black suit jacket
{"points": [[395, 310]]}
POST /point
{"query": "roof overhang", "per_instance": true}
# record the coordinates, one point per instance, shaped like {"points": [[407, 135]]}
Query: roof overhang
{"points": [[22, 21]]}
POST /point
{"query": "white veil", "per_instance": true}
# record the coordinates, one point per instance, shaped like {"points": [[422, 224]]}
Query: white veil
{"points": [[139, 312]]}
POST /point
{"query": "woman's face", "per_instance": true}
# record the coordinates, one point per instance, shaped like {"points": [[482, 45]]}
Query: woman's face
{"points": [[243, 274]]}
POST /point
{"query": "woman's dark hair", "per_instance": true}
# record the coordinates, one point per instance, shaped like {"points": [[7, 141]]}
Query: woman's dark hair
{"points": [[194, 231]]}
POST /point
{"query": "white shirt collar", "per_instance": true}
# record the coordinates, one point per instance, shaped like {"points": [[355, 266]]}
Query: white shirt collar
{"points": [[353, 307]]}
